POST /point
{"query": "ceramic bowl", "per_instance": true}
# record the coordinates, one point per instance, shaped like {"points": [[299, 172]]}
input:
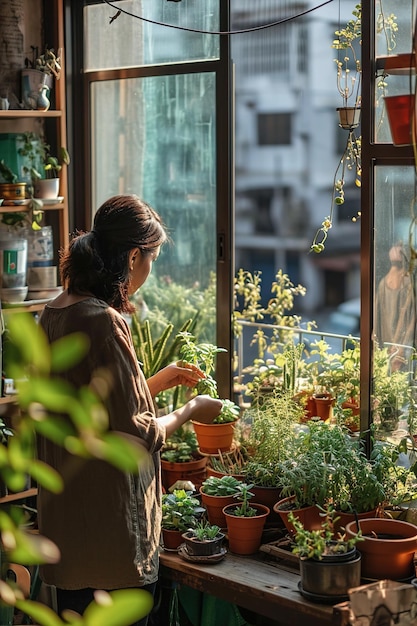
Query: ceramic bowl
{"points": [[13, 294]]}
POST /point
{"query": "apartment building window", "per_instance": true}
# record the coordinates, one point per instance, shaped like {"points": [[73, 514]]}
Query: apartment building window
{"points": [[274, 129]]}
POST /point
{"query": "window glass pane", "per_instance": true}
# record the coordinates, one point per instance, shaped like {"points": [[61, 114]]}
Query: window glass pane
{"points": [[394, 46], [128, 41], [395, 310], [159, 143]]}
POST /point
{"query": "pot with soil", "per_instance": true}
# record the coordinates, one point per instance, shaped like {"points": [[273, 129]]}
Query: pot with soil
{"points": [[387, 548]]}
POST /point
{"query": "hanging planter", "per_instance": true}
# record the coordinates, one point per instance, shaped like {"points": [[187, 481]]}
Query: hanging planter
{"points": [[349, 117], [401, 114]]}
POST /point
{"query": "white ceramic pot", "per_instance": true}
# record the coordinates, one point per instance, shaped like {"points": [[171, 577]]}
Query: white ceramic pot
{"points": [[47, 188]]}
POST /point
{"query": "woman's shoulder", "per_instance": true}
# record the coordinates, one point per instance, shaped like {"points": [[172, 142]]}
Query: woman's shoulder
{"points": [[86, 314]]}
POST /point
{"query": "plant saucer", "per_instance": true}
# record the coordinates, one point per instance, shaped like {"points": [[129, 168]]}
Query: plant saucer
{"points": [[215, 558], [322, 599]]}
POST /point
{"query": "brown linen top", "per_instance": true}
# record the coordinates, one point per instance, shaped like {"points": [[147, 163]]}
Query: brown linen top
{"points": [[106, 523]]}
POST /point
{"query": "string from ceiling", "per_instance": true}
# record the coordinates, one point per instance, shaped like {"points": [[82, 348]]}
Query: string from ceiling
{"points": [[119, 11]]}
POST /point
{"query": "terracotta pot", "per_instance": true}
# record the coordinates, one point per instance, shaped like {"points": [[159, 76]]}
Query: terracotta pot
{"points": [[349, 117], [172, 539], [346, 518], [307, 402], [309, 516], [245, 533], [352, 405], [267, 496], [324, 403], [195, 471], [196, 547], [331, 576], [213, 438], [401, 111], [214, 506], [387, 549]]}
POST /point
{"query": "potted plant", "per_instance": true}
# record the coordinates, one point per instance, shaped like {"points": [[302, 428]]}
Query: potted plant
{"points": [[180, 511], [228, 463], [330, 565], [42, 167], [38, 76], [305, 476], [387, 548], [216, 493], [245, 522], [203, 540], [180, 459], [217, 436]]}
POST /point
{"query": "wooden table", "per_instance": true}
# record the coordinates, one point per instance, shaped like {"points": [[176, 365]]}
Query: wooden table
{"points": [[266, 587]]}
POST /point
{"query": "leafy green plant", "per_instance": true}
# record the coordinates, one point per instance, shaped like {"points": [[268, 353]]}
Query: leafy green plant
{"points": [[181, 447], [203, 531], [38, 153], [7, 173], [203, 356], [180, 510], [224, 486], [264, 474], [34, 365], [314, 544], [244, 495]]}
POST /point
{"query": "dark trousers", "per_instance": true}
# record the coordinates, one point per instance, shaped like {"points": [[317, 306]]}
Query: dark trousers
{"points": [[78, 600]]}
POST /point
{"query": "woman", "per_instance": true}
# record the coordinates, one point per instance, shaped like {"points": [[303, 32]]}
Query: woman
{"points": [[106, 523]]}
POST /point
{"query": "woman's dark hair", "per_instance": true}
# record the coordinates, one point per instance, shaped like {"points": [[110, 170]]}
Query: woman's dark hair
{"points": [[98, 262]]}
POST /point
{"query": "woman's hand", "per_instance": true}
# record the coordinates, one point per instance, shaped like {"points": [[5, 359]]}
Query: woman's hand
{"points": [[175, 374], [205, 408], [202, 409]]}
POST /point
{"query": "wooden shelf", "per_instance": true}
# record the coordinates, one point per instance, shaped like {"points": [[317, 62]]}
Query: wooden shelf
{"points": [[7, 400], [21, 495], [13, 114], [24, 208]]}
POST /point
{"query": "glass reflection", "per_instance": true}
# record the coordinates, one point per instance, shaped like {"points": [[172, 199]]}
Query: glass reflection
{"points": [[159, 143], [395, 309]]}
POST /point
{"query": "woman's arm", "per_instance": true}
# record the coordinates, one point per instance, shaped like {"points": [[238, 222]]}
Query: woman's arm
{"points": [[173, 375], [202, 408]]}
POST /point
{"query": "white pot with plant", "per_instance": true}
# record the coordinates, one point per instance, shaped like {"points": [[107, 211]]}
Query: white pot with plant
{"points": [[38, 78], [42, 168]]}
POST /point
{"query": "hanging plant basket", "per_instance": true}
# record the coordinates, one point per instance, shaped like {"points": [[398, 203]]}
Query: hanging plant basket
{"points": [[349, 117], [401, 114]]}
